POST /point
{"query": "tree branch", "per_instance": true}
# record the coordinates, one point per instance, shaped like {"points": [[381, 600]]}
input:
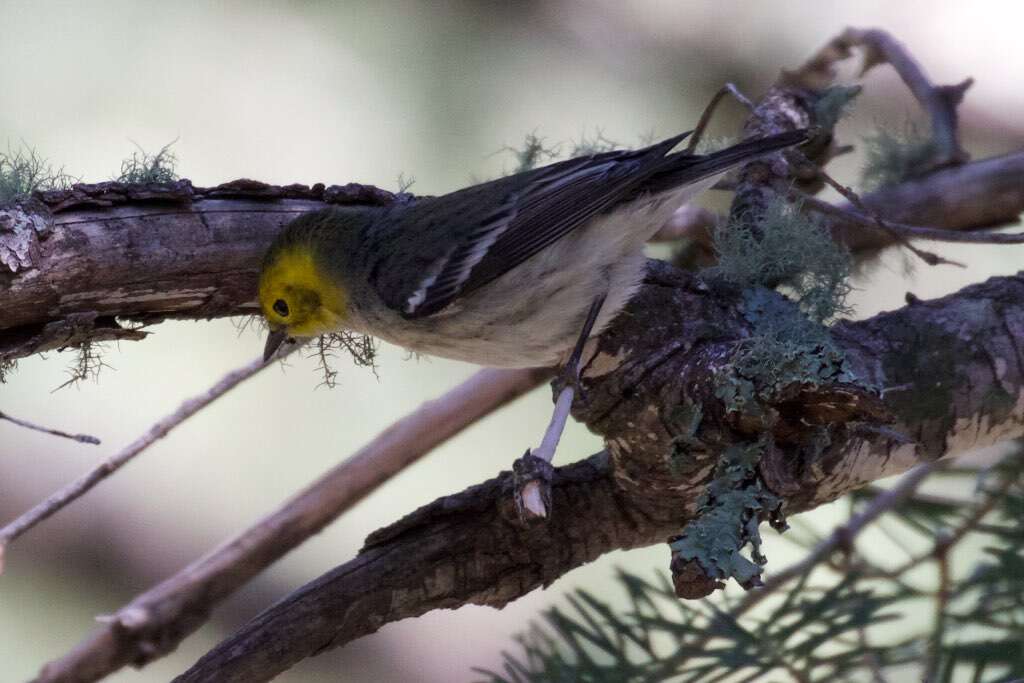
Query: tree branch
{"points": [[196, 254], [469, 547], [154, 623], [80, 438], [74, 263], [940, 102], [947, 386], [87, 481]]}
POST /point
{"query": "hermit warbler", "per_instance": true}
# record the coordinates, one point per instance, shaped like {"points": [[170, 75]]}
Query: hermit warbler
{"points": [[502, 273]]}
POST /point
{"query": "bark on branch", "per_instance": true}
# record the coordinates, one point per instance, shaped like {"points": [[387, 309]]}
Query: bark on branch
{"points": [[933, 379], [954, 373], [77, 264], [142, 253]]}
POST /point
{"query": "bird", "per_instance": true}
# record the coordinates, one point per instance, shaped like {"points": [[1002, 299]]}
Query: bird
{"points": [[515, 272], [499, 274]]}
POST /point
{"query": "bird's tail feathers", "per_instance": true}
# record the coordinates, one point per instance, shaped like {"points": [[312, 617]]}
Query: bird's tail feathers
{"points": [[682, 168]]}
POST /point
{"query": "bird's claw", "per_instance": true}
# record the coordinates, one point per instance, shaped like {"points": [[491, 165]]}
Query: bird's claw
{"points": [[531, 478]]}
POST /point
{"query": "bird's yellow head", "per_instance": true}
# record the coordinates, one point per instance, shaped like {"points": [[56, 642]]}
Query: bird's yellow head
{"points": [[297, 297]]}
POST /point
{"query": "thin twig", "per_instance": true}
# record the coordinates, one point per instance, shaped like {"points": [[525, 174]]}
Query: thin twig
{"points": [[959, 532], [705, 117], [878, 222], [156, 621], [934, 657], [80, 438], [909, 231], [86, 482]]}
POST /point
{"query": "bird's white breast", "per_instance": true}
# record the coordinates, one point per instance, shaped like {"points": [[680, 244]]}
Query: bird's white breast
{"points": [[533, 315]]}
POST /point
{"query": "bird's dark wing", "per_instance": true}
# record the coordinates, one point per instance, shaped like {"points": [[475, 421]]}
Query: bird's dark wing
{"points": [[469, 238], [462, 241]]}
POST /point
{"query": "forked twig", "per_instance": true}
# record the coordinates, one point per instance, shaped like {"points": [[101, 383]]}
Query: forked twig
{"points": [[940, 102], [705, 117]]}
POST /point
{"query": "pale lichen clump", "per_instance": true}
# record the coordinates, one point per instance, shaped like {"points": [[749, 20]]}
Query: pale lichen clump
{"points": [[143, 167], [23, 171], [893, 158], [789, 346]]}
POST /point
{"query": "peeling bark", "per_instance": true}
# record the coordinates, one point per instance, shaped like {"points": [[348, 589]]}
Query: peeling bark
{"points": [[115, 252], [661, 385], [21, 231]]}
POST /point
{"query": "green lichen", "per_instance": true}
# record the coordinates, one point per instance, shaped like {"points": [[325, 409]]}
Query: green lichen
{"points": [[534, 152], [143, 167], [405, 183], [893, 158], [727, 520], [360, 348], [787, 347], [790, 343], [595, 144], [786, 248], [833, 104], [87, 364], [23, 171]]}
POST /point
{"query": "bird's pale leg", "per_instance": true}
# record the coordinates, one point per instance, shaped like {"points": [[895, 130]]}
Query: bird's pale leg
{"points": [[533, 471]]}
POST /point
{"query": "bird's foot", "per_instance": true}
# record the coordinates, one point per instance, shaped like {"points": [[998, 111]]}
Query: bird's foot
{"points": [[531, 479]]}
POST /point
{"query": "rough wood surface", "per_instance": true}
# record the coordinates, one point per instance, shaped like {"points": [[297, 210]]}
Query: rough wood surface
{"points": [[78, 265], [932, 379], [964, 390], [81, 262]]}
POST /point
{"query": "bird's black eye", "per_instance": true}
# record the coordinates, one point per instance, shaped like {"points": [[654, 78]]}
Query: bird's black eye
{"points": [[281, 308]]}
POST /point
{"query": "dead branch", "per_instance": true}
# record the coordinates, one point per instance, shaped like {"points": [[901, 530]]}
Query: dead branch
{"points": [[154, 623], [852, 218], [661, 356], [84, 285], [75, 265], [940, 102], [159, 430], [946, 199], [470, 548], [80, 438]]}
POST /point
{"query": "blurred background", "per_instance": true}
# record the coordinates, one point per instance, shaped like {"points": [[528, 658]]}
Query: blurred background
{"points": [[366, 92]]}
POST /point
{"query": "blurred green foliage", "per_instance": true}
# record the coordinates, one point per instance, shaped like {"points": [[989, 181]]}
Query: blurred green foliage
{"points": [[892, 158], [824, 626]]}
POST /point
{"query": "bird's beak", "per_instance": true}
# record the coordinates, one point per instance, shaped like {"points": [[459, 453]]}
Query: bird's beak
{"points": [[274, 340]]}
